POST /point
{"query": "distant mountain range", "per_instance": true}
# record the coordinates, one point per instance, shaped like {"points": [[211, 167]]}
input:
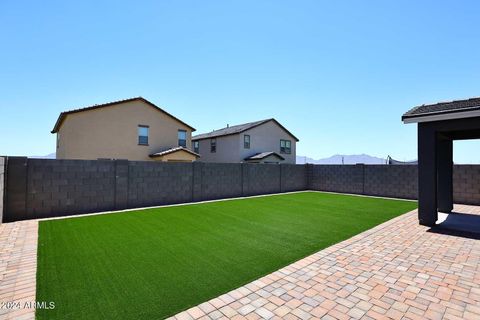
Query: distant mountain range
{"points": [[48, 156], [347, 159]]}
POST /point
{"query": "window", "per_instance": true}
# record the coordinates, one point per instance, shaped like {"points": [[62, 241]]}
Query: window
{"points": [[58, 139], [213, 145], [143, 135], [285, 146], [182, 138], [196, 146], [246, 141]]}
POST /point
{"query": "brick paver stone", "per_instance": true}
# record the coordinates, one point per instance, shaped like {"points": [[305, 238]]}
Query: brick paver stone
{"points": [[18, 267]]}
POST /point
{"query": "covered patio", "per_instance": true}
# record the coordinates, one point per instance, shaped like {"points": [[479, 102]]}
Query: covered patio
{"points": [[438, 126]]}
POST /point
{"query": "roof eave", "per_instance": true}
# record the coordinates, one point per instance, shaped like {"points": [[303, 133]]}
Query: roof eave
{"points": [[63, 115], [183, 149], [239, 132], [266, 156], [441, 116], [212, 137], [58, 123]]}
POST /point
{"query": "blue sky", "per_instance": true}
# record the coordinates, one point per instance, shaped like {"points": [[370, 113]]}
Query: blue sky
{"points": [[339, 74]]}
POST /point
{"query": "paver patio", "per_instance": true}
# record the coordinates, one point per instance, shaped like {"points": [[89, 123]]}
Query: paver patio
{"points": [[18, 266], [396, 270]]}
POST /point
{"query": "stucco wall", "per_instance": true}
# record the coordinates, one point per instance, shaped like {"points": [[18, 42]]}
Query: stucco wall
{"points": [[227, 150], [267, 138], [111, 132]]}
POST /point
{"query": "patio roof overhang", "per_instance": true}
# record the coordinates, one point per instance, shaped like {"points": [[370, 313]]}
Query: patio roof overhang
{"points": [[438, 126]]}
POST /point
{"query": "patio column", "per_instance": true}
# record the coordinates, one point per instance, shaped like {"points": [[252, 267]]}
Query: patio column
{"points": [[427, 175], [444, 175]]}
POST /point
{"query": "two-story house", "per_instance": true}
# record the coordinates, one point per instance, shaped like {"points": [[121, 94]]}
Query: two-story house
{"points": [[132, 129], [265, 141]]}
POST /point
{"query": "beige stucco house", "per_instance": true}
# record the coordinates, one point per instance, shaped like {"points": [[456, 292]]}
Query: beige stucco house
{"points": [[132, 129], [265, 141]]}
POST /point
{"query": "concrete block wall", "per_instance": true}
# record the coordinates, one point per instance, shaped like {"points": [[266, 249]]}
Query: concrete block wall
{"points": [[2, 184], [40, 188], [151, 183], [15, 201], [37, 188], [466, 184], [261, 179], [220, 180], [396, 181], [337, 178], [68, 187], [293, 177]]}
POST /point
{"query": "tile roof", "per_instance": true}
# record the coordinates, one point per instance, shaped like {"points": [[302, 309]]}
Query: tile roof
{"points": [[172, 150], [64, 114], [263, 155], [238, 129], [443, 107]]}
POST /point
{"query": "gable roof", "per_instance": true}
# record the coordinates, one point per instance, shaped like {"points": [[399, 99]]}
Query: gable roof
{"points": [[64, 114], [173, 150], [443, 108], [263, 155], [238, 129]]}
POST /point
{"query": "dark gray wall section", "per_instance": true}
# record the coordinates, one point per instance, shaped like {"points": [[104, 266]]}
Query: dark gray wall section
{"points": [[466, 184], [220, 180], [63, 187], [15, 189], [337, 178], [294, 177], [36, 188], [2, 184], [261, 179], [152, 183], [40, 188], [121, 184], [396, 181]]}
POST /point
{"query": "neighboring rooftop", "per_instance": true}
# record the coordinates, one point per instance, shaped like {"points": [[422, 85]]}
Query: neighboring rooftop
{"points": [[64, 114], [390, 160], [172, 150], [263, 155], [238, 129], [443, 111]]}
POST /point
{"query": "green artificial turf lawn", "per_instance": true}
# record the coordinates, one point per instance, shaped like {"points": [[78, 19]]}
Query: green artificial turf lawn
{"points": [[154, 263]]}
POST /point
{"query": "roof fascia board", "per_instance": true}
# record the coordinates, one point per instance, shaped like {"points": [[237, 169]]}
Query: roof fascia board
{"points": [[442, 117]]}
